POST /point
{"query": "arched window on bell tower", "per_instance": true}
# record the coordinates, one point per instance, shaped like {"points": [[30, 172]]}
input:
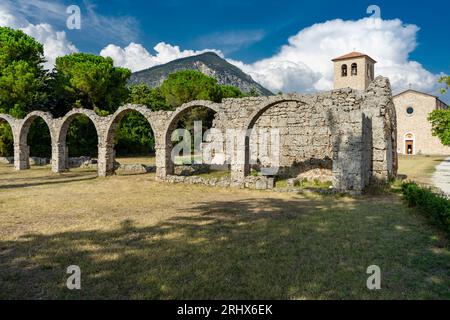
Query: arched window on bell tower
{"points": [[344, 70], [354, 69]]}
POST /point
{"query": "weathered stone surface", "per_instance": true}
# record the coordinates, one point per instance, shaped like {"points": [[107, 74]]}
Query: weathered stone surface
{"points": [[133, 169], [190, 170], [37, 161], [6, 160], [81, 162], [259, 182], [348, 133]]}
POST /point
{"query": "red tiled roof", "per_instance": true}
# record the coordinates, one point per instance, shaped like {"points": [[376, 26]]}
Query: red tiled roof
{"points": [[353, 54]]}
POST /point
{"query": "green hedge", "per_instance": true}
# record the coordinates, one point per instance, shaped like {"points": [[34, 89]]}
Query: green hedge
{"points": [[435, 206]]}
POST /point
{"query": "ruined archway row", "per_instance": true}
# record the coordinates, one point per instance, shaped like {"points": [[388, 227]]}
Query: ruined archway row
{"points": [[106, 126], [360, 126]]}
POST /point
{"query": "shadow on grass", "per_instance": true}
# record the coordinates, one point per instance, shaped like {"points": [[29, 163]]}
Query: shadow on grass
{"points": [[253, 248], [47, 180]]}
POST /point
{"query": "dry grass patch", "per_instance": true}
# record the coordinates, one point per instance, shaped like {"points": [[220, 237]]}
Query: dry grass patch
{"points": [[137, 238], [418, 168]]}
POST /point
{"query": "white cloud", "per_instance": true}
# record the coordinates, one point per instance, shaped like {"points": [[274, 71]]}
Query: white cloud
{"points": [[304, 63], [55, 42], [308, 54], [135, 57]]}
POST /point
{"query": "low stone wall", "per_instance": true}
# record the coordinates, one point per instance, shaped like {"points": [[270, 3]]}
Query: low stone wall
{"points": [[37, 161], [251, 182], [259, 182], [82, 162], [191, 170], [134, 169], [218, 182], [7, 160]]}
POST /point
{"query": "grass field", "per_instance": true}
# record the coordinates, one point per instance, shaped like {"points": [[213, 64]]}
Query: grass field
{"points": [[418, 168], [136, 238]]}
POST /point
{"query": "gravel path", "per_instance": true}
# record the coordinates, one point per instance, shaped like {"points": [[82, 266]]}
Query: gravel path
{"points": [[441, 177]]}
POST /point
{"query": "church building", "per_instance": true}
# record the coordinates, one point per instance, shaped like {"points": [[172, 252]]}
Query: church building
{"points": [[356, 70]]}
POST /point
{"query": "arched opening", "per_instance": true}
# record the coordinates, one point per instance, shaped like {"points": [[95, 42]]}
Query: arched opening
{"points": [[409, 143], [194, 146], [354, 69], [344, 70], [78, 142], [289, 142], [35, 141], [40, 143], [133, 139], [6, 143]]}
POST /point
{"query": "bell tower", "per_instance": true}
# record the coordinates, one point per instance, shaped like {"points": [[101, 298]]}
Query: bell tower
{"points": [[353, 70]]}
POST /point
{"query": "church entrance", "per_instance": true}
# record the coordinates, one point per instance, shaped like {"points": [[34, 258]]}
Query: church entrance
{"points": [[409, 144]]}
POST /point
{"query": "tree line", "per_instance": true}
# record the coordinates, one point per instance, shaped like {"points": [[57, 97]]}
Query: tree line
{"points": [[83, 80]]}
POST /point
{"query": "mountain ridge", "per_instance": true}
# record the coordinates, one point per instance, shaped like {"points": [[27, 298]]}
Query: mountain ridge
{"points": [[208, 63]]}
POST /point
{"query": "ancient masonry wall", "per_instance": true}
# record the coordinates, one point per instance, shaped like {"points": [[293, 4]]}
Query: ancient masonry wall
{"points": [[346, 136]]}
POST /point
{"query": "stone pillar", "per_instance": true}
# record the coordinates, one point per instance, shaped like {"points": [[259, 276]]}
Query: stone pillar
{"points": [[59, 156], [350, 171], [21, 156], [105, 160], [162, 163], [239, 156]]}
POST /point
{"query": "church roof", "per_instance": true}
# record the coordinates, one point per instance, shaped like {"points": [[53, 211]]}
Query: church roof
{"points": [[351, 55], [419, 92]]}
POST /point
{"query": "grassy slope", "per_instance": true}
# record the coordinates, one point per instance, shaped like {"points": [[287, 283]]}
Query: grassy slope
{"points": [[136, 238]]}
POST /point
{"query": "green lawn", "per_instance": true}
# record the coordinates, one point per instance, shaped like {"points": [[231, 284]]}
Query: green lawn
{"points": [[137, 238]]}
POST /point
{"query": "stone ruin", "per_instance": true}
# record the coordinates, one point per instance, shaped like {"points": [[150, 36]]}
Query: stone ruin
{"points": [[347, 136]]}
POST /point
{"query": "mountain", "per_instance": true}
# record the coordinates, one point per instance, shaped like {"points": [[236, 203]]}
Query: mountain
{"points": [[208, 63]]}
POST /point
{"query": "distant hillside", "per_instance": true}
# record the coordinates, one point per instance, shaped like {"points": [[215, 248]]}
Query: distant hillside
{"points": [[208, 63]]}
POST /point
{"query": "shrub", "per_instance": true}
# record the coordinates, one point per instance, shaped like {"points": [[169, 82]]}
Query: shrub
{"points": [[435, 206]]}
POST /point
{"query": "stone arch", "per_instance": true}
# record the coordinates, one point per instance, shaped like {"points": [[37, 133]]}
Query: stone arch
{"points": [[9, 119], [111, 127], [241, 165], [260, 109], [28, 120], [22, 152], [168, 167], [60, 162], [121, 112], [69, 117]]}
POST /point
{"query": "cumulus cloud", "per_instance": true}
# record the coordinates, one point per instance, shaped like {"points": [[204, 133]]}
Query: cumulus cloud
{"points": [[303, 64], [55, 42], [135, 57]]}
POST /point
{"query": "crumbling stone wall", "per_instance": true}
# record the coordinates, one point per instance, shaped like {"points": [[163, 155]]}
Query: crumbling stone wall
{"points": [[346, 135]]}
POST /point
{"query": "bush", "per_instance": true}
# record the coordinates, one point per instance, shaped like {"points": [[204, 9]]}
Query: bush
{"points": [[435, 206]]}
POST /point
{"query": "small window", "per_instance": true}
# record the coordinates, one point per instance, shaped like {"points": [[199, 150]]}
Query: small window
{"points": [[354, 69], [344, 70], [410, 110]]}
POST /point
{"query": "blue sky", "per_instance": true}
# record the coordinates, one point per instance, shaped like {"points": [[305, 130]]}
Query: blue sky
{"points": [[191, 24], [251, 35]]}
